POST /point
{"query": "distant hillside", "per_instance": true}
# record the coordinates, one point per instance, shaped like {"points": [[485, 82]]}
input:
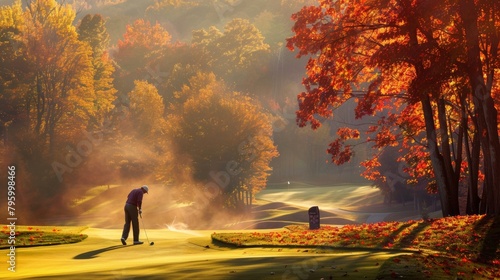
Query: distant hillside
{"points": [[181, 21]]}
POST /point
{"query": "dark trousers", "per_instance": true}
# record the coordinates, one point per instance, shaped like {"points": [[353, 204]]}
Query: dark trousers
{"points": [[131, 216]]}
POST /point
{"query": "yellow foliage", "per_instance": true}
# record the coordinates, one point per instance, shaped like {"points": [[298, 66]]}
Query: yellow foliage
{"points": [[216, 128], [146, 108]]}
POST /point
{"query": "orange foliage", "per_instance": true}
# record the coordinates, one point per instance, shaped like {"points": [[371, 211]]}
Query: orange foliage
{"points": [[399, 60]]}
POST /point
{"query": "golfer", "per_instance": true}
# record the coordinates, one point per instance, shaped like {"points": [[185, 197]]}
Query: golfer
{"points": [[132, 212]]}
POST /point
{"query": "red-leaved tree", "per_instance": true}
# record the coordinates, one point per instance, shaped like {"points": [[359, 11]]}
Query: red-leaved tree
{"points": [[428, 68]]}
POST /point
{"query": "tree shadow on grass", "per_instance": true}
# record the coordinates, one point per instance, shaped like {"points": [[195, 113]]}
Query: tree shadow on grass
{"points": [[408, 239], [94, 253], [489, 250], [238, 268], [389, 239]]}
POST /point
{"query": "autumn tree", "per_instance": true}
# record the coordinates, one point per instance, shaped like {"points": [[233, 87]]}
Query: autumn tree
{"points": [[225, 137], [12, 51], [146, 110], [62, 72], [177, 65], [480, 23], [55, 78], [49, 90], [143, 44], [169, 5], [141, 143], [407, 60], [235, 54], [92, 30], [274, 27]]}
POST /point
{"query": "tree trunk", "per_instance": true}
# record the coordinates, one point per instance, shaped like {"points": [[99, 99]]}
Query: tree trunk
{"points": [[40, 105], [452, 183], [473, 164], [250, 191], [473, 157], [486, 112], [438, 167], [436, 158]]}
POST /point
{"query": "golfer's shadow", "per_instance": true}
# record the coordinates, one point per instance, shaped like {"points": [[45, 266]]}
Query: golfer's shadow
{"points": [[95, 253]]}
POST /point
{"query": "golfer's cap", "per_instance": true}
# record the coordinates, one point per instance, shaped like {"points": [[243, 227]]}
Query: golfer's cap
{"points": [[145, 188]]}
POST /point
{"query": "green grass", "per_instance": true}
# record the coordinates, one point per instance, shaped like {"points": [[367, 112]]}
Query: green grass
{"points": [[30, 236], [465, 246]]}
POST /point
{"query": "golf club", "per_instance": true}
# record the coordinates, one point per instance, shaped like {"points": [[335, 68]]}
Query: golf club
{"points": [[144, 226]]}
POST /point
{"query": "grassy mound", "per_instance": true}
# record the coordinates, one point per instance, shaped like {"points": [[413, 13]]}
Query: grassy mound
{"points": [[437, 248], [29, 236]]}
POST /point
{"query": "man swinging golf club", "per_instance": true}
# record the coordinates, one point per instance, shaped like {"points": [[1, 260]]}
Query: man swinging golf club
{"points": [[132, 212]]}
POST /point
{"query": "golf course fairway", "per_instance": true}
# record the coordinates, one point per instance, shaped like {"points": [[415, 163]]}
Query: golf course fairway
{"points": [[186, 254], [177, 255]]}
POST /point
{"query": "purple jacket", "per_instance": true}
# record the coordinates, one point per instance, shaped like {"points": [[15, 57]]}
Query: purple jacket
{"points": [[135, 197]]}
